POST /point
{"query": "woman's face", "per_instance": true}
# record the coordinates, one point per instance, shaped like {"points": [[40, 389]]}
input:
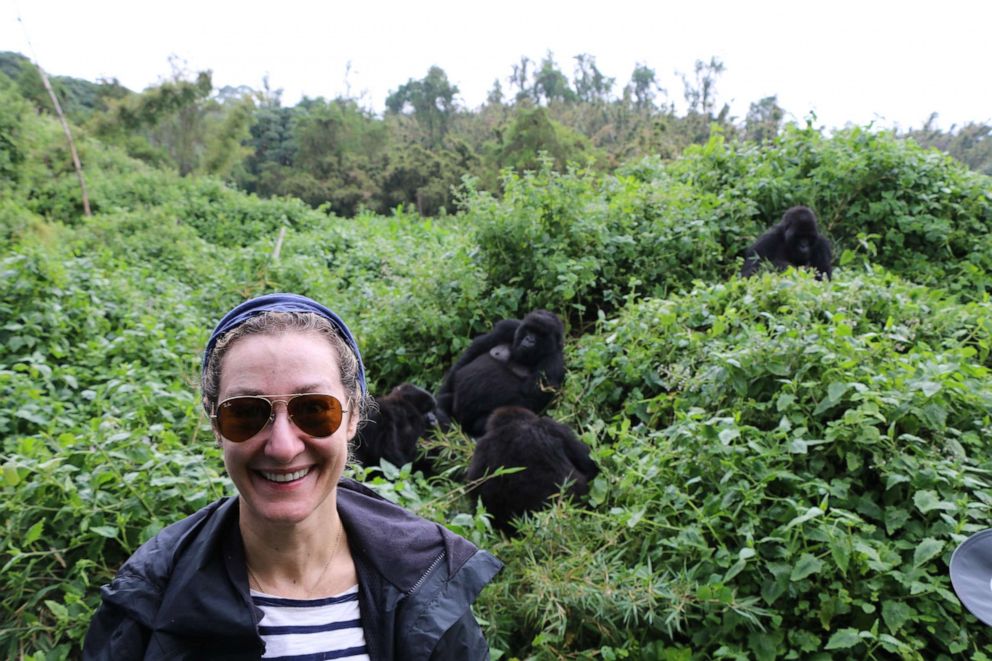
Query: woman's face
{"points": [[284, 364]]}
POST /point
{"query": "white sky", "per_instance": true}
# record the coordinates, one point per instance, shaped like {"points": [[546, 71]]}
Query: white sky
{"points": [[848, 61]]}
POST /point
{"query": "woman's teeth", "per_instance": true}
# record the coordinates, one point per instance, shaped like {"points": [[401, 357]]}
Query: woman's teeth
{"points": [[285, 477]]}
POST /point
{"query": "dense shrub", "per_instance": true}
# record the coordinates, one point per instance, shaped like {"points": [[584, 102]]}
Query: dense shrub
{"points": [[918, 212], [786, 464], [581, 242], [787, 467]]}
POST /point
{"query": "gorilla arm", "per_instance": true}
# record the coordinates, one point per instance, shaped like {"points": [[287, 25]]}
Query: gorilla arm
{"points": [[822, 258]]}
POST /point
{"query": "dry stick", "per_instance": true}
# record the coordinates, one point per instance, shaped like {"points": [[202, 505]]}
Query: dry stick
{"points": [[68, 136], [275, 251]]}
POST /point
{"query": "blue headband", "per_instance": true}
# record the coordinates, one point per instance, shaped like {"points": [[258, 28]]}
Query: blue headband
{"points": [[283, 303]]}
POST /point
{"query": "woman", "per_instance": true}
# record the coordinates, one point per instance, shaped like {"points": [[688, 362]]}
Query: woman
{"points": [[302, 563]]}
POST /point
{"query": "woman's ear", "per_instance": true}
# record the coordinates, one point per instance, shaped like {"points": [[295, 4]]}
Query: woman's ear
{"points": [[213, 425], [353, 418]]}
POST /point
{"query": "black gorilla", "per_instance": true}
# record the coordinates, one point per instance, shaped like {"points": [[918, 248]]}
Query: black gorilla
{"points": [[549, 452], [794, 241], [518, 363], [394, 426]]}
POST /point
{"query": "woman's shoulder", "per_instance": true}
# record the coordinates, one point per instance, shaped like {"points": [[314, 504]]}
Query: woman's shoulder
{"points": [[400, 545], [154, 560]]}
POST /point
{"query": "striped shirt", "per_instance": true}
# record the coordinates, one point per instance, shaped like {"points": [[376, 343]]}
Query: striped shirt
{"points": [[312, 629]]}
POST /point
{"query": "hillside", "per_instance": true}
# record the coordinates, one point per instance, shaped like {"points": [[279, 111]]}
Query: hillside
{"points": [[787, 464]]}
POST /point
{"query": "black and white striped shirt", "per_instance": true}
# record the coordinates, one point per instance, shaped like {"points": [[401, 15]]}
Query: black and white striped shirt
{"points": [[312, 629]]}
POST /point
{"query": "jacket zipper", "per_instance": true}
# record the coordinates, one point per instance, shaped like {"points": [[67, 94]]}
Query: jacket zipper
{"points": [[423, 578]]}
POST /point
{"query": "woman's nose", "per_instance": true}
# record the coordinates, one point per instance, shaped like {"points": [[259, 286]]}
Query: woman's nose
{"points": [[284, 441]]}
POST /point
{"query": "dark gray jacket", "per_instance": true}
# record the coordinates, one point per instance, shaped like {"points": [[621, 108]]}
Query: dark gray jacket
{"points": [[184, 593]]}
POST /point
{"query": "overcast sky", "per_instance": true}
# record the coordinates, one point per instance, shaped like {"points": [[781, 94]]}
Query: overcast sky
{"points": [[848, 61]]}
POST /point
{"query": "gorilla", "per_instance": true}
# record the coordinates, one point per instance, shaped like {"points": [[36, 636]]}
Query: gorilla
{"points": [[395, 424], [794, 241], [549, 452], [518, 363]]}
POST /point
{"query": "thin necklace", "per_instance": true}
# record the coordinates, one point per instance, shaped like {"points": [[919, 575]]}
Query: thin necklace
{"points": [[337, 547]]}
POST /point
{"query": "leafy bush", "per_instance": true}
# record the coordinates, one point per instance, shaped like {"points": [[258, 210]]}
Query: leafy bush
{"points": [[787, 467], [786, 464], [584, 242], [926, 216]]}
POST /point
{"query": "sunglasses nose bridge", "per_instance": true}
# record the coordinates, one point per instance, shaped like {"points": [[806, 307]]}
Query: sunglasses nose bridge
{"points": [[272, 408]]}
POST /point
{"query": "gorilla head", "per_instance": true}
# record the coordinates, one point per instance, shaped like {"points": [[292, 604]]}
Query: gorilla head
{"points": [[541, 334], [794, 241], [801, 235], [395, 424]]}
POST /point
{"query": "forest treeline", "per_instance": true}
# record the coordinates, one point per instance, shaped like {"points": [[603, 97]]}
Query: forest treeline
{"points": [[341, 155]]}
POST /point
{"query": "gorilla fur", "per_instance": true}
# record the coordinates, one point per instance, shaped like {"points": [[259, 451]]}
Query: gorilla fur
{"points": [[549, 452], [395, 424], [518, 363], [794, 241]]}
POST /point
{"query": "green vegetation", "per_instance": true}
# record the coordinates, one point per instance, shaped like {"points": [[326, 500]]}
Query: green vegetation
{"points": [[787, 464]]}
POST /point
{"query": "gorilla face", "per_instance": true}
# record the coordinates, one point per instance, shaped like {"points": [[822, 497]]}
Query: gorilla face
{"points": [[541, 334], [800, 235]]}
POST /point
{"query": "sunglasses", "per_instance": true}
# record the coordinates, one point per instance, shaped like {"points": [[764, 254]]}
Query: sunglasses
{"points": [[240, 418]]}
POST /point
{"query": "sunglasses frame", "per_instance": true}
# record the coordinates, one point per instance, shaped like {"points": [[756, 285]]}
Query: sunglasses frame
{"points": [[271, 400]]}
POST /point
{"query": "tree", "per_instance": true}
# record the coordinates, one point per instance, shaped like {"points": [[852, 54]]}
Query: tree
{"points": [[532, 132], [591, 86], [700, 93], [971, 144], [764, 119], [432, 100], [519, 79], [550, 84], [644, 86]]}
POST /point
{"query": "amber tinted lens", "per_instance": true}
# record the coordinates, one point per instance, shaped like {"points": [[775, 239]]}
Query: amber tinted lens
{"points": [[317, 415], [240, 418]]}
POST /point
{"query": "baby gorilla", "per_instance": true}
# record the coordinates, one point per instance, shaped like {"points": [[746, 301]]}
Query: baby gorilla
{"points": [[794, 241], [394, 426], [518, 363], [549, 452]]}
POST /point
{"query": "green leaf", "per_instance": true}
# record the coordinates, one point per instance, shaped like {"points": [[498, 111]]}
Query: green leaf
{"points": [[840, 551], [34, 532], [836, 390], [934, 416], [896, 614], [729, 434], [784, 402], [811, 513], [843, 639], [926, 550], [10, 476], [60, 611], [105, 531], [927, 501], [807, 565]]}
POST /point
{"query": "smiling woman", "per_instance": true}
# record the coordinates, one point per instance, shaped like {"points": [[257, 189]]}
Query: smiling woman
{"points": [[302, 564]]}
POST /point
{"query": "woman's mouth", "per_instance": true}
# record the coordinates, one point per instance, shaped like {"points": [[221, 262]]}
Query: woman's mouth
{"points": [[285, 477]]}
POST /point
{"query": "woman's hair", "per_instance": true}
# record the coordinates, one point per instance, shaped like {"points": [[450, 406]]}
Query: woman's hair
{"points": [[278, 323]]}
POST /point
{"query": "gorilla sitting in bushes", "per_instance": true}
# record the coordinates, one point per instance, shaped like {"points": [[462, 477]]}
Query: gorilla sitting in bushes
{"points": [[549, 453], [518, 363], [394, 426]]}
